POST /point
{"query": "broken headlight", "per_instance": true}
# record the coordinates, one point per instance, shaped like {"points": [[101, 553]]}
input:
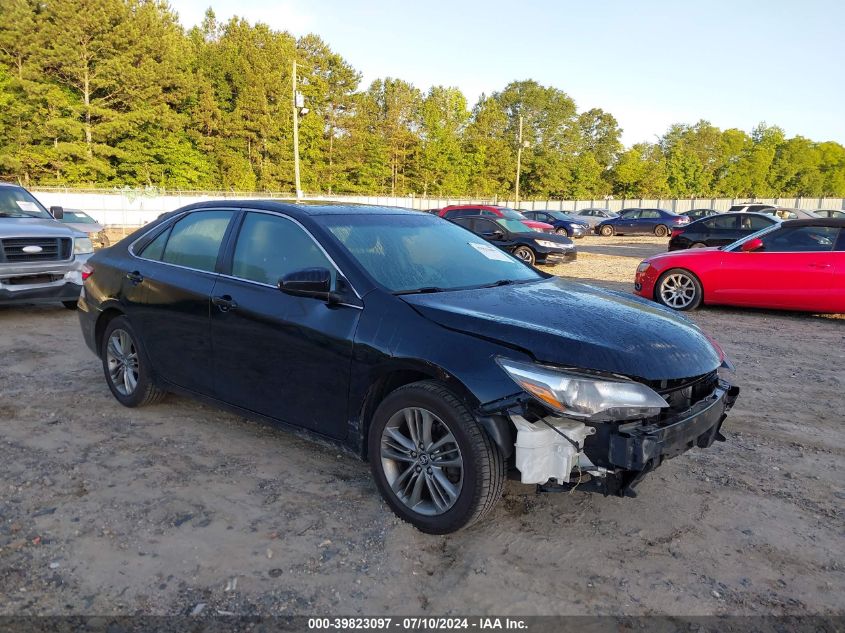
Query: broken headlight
{"points": [[582, 396]]}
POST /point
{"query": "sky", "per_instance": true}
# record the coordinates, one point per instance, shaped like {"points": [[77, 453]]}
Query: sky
{"points": [[649, 63]]}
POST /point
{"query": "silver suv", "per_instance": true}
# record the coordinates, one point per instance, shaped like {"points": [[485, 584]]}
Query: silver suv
{"points": [[41, 259]]}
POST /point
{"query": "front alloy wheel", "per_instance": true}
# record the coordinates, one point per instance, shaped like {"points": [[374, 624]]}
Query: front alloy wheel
{"points": [[432, 462], [606, 230], [679, 289], [562, 231], [525, 254]]}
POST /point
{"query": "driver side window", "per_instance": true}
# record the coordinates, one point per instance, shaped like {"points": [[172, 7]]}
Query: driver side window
{"points": [[270, 247], [802, 239]]}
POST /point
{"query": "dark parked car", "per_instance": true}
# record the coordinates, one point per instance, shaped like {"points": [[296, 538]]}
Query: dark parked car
{"points": [[512, 236], [417, 345], [564, 224], [593, 215], [697, 214], [658, 222], [830, 213], [492, 211], [721, 230]]}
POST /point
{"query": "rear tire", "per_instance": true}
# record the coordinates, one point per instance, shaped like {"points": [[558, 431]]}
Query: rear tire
{"points": [[607, 230], [126, 366], [661, 231], [417, 427], [525, 254], [678, 289]]}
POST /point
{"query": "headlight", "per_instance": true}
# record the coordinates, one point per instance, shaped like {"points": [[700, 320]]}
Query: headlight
{"points": [[582, 396], [82, 246], [549, 244], [537, 228], [644, 266]]}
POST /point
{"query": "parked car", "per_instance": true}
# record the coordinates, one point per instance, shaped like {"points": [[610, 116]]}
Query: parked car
{"points": [[563, 223], [417, 345], [830, 213], [752, 207], [723, 229], [526, 245], [658, 222], [792, 265], [84, 223], [593, 216], [41, 259], [697, 214], [493, 211]]}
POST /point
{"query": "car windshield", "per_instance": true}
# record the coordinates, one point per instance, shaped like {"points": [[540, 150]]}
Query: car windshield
{"points": [[413, 253], [514, 226], [510, 214], [78, 217], [17, 202], [560, 215]]}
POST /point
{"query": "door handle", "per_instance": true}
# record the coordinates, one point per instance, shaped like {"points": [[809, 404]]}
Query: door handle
{"points": [[134, 277], [224, 303]]}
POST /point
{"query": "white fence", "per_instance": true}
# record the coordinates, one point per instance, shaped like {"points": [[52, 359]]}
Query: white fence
{"points": [[128, 209]]}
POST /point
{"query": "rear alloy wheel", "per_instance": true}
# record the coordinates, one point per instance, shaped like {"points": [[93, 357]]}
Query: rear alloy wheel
{"points": [[433, 464], [699, 245], [661, 231], [606, 230], [679, 289], [525, 254], [562, 231], [126, 367]]}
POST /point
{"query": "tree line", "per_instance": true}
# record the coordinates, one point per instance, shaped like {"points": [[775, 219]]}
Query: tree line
{"points": [[117, 93]]}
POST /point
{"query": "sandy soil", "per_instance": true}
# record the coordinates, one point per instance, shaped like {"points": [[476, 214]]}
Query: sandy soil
{"points": [[107, 510]]}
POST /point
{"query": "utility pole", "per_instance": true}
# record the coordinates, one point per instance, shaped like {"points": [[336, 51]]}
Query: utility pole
{"points": [[518, 162], [296, 106]]}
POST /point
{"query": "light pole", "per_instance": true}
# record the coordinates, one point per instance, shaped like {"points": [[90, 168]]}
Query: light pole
{"points": [[519, 161], [297, 102]]}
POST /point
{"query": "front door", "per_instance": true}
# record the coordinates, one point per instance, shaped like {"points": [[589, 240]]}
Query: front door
{"points": [[279, 355]]}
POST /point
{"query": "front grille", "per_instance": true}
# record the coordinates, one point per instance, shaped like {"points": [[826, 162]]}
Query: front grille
{"points": [[14, 249], [682, 393]]}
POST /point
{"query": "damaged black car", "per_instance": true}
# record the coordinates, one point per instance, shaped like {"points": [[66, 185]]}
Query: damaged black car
{"points": [[445, 362]]}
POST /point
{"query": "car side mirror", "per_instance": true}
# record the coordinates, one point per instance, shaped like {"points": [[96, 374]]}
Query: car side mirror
{"points": [[752, 245], [308, 282], [494, 235], [57, 212]]}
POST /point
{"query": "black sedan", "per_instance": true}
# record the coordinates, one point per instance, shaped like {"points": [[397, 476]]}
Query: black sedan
{"points": [[564, 224], [697, 214], [719, 230], [513, 237], [415, 344]]}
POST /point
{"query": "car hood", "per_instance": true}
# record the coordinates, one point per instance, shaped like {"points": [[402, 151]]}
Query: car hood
{"points": [[575, 325], [34, 227], [706, 251], [85, 227]]}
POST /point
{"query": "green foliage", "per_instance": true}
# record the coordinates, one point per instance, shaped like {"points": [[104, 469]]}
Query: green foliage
{"points": [[115, 92]]}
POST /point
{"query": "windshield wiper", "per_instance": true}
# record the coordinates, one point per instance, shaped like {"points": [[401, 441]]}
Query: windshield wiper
{"points": [[420, 291]]}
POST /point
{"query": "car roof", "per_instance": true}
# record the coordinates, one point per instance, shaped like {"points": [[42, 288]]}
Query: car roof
{"points": [[837, 223], [301, 208]]}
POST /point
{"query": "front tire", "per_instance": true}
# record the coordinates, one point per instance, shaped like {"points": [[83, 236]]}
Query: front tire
{"points": [[679, 289], [661, 230], [525, 254], [126, 367], [606, 230], [562, 231], [433, 464]]}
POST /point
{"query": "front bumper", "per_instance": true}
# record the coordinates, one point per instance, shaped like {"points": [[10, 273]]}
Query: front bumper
{"points": [[42, 282], [558, 257]]}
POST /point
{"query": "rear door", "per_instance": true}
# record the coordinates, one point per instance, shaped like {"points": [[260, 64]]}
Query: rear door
{"points": [[794, 270], [172, 285], [719, 230], [647, 220], [282, 356]]}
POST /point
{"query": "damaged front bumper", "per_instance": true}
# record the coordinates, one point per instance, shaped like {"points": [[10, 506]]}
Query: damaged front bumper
{"points": [[613, 457]]}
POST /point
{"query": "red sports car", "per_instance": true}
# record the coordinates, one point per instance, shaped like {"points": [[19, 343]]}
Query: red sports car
{"points": [[794, 265]]}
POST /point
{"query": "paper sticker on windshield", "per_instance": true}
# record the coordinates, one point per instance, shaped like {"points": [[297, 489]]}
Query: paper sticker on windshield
{"points": [[491, 252], [27, 206]]}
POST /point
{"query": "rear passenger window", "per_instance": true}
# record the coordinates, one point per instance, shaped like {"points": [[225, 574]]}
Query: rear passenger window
{"points": [[155, 249], [195, 240], [724, 222], [650, 214]]}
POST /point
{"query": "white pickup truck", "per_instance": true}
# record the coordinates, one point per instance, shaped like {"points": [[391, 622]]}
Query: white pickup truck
{"points": [[41, 259]]}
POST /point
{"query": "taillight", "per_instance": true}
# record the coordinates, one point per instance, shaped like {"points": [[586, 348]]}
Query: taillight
{"points": [[87, 271], [676, 232]]}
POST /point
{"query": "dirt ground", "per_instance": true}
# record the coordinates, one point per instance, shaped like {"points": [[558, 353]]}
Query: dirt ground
{"points": [[108, 510]]}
